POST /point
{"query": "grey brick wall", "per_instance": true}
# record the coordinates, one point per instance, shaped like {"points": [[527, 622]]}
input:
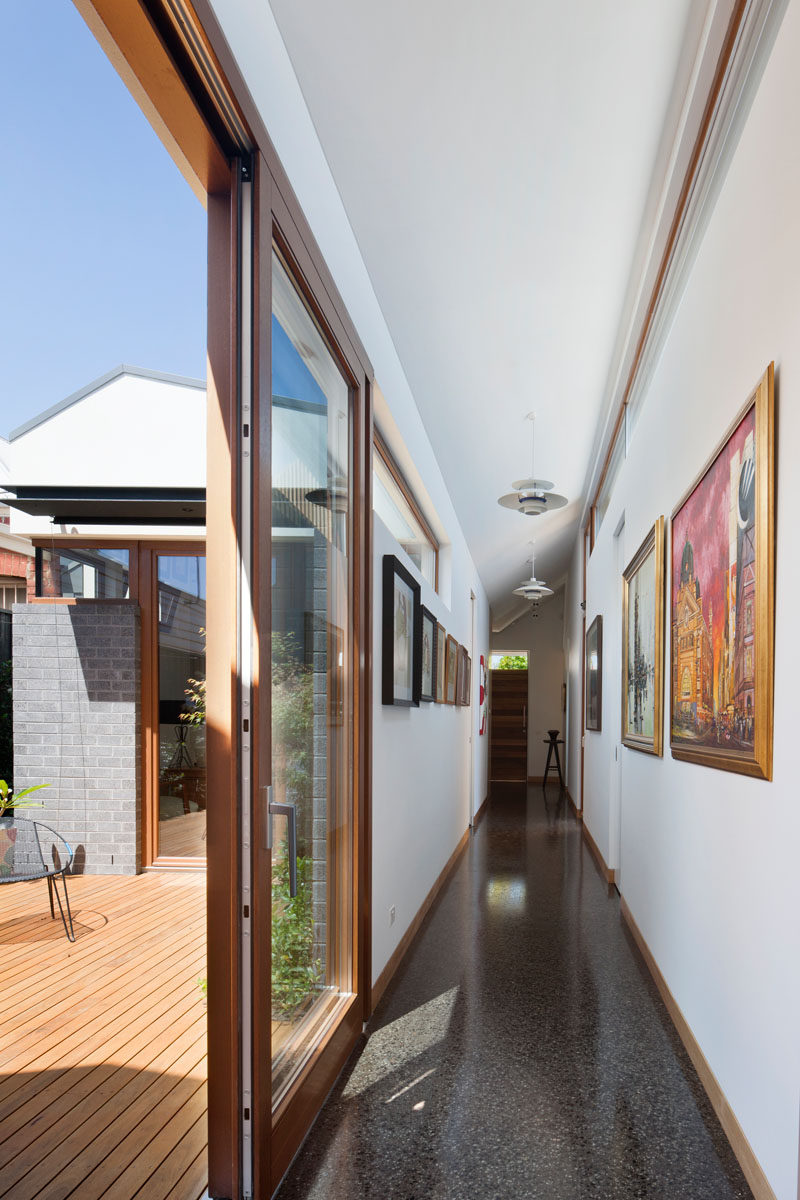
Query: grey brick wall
{"points": [[77, 726]]}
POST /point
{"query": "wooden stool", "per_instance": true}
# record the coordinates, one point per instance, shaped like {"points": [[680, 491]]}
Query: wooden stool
{"points": [[553, 741]]}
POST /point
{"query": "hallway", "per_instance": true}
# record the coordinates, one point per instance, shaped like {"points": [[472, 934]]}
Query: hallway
{"points": [[522, 1050]]}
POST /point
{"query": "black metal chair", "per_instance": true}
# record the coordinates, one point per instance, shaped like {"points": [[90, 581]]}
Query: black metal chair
{"points": [[31, 850]]}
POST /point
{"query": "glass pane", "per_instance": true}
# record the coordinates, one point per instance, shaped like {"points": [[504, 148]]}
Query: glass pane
{"points": [[182, 706], [311, 683], [394, 510], [88, 574]]}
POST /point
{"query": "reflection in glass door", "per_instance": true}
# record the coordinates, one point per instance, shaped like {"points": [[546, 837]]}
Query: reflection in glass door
{"points": [[312, 726], [181, 760]]}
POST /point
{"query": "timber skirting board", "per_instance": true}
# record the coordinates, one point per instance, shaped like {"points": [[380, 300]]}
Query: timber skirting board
{"points": [[481, 813], [759, 1185], [382, 982], [577, 811], [605, 871]]}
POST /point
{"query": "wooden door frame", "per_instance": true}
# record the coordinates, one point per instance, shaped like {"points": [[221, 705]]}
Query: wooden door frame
{"points": [[282, 226], [147, 553], [145, 44]]}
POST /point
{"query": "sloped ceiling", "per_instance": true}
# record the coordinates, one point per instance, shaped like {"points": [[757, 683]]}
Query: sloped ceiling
{"points": [[495, 163]]}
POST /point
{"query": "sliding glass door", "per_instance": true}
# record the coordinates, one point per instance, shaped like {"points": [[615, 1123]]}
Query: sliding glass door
{"points": [[312, 810], [181, 680]]}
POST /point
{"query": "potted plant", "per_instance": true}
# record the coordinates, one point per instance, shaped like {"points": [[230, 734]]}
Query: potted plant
{"points": [[10, 800]]}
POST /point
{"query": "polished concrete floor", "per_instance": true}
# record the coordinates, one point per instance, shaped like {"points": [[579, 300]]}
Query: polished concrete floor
{"points": [[521, 1050]]}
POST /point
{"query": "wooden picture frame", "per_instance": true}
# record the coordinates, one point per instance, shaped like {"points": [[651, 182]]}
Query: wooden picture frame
{"points": [[450, 670], [594, 675], [427, 654], [464, 674], [722, 599], [441, 644], [643, 645], [401, 665]]}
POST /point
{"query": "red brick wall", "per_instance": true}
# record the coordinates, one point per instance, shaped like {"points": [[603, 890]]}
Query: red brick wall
{"points": [[20, 566]]}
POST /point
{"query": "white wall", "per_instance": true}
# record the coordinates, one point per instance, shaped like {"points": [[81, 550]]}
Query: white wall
{"points": [[711, 858], [421, 767], [573, 661], [132, 431], [543, 638], [424, 744]]}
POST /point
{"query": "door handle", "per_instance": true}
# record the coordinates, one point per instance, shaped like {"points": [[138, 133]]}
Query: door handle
{"points": [[524, 718], [290, 812]]}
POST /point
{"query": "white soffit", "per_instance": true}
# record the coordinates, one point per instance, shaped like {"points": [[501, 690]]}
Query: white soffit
{"points": [[498, 165]]}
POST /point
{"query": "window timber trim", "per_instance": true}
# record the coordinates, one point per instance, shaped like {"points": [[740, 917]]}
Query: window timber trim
{"points": [[390, 463], [727, 55]]}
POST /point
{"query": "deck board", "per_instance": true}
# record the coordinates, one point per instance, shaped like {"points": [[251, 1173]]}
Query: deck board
{"points": [[102, 1043]]}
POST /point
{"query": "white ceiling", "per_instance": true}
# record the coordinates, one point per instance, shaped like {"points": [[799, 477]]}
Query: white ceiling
{"points": [[495, 163]]}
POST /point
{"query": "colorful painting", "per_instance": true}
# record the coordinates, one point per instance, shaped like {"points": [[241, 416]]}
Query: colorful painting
{"points": [[594, 675], [722, 601], [643, 645]]}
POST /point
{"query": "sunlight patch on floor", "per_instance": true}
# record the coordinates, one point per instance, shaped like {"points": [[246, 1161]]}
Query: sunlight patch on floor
{"points": [[401, 1041]]}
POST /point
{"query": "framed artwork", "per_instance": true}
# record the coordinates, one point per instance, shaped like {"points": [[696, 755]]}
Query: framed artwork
{"points": [[722, 599], [401, 646], [643, 645], [441, 639], [464, 674], [450, 669], [594, 675], [427, 635], [483, 698]]}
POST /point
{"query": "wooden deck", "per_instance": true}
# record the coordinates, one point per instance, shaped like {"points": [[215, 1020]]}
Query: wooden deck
{"points": [[102, 1043]]}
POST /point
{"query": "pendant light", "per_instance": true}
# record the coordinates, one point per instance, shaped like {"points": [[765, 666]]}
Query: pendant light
{"points": [[532, 496], [533, 588]]}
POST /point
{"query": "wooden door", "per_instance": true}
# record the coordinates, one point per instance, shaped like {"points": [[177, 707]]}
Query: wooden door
{"points": [[509, 737]]}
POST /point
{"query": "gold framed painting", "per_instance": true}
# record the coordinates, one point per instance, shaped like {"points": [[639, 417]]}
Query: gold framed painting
{"points": [[643, 645], [722, 599]]}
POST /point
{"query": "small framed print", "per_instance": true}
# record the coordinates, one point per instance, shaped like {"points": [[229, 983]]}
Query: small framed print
{"points": [[427, 652], [594, 675], [643, 644], [464, 673], [401, 647], [441, 639], [450, 670]]}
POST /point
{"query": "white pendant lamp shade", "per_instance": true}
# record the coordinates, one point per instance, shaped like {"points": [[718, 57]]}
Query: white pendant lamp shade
{"points": [[532, 503], [533, 588], [532, 496]]}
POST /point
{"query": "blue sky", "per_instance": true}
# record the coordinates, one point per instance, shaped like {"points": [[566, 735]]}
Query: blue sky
{"points": [[102, 242]]}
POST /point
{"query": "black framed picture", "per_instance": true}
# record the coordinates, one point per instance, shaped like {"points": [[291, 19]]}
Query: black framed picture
{"points": [[402, 664], [594, 675], [428, 657]]}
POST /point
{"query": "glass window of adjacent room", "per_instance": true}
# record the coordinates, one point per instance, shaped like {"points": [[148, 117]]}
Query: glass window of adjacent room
{"points": [[396, 506]]}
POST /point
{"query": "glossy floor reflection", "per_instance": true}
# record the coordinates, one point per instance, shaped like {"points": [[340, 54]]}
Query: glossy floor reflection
{"points": [[521, 1050]]}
